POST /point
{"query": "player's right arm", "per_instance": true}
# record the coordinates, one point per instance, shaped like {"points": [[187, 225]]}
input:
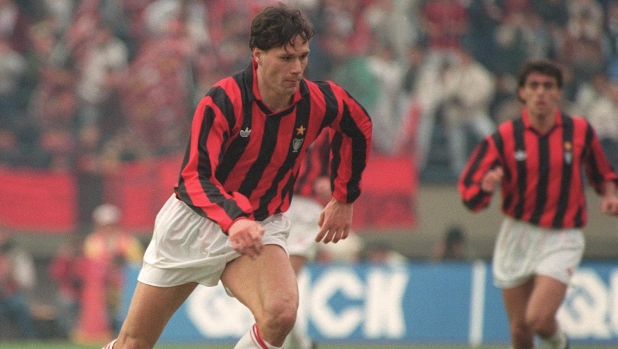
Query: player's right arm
{"points": [[481, 176], [213, 121]]}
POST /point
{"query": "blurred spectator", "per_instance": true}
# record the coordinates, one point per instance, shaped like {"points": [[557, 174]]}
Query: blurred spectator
{"points": [[352, 72], [157, 94], [582, 50], [109, 248], [160, 14], [10, 152], [343, 18], [346, 251], [60, 13], [445, 94], [17, 279], [453, 246], [603, 117], [444, 23], [381, 252], [100, 74], [466, 108], [511, 43], [611, 31], [553, 12], [14, 23], [590, 92], [89, 169], [393, 25], [429, 97], [59, 146], [386, 113], [12, 71], [485, 17], [66, 270]]}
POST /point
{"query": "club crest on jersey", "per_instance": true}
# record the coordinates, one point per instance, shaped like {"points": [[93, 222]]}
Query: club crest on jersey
{"points": [[296, 144], [568, 152], [520, 155], [246, 132]]}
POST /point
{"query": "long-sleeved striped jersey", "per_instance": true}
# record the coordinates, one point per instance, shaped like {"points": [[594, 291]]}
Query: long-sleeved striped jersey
{"points": [[543, 173], [242, 160], [315, 165]]}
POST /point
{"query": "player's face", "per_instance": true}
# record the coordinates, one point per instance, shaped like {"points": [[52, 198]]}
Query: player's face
{"points": [[541, 94], [282, 67]]}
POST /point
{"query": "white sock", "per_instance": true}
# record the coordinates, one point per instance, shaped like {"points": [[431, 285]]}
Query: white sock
{"points": [[110, 345], [558, 340], [253, 340], [297, 339]]}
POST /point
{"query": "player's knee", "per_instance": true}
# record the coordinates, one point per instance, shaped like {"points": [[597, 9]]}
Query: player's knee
{"points": [[520, 331], [543, 325], [281, 317]]}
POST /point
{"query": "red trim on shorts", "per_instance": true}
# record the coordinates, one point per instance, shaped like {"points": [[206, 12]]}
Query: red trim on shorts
{"points": [[256, 337]]}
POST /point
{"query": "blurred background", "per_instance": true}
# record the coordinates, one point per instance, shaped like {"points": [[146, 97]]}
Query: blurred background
{"points": [[97, 96]]}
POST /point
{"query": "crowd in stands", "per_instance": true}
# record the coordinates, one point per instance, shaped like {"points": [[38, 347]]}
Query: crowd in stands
{"points": [[87, 85]]}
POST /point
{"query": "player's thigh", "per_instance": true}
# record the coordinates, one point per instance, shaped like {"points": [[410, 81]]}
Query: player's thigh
{"points": [[150, 310], [298, 262], [516, 300], [266, 284], [546, 298]]}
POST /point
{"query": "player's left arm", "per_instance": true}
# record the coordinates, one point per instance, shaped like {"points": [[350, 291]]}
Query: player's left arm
{"points": [[609, 204], [335, 222]]}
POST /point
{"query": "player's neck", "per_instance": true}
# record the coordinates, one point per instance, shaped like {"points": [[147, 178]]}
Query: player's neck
{"points": [[276, 102], [542, 122]]}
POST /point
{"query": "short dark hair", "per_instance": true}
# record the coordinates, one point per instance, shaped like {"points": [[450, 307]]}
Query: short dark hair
{"points": [[542, 66], [276, 26]]}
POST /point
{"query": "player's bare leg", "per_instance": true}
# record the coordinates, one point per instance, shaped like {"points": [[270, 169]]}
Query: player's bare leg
{"points": [[267, 286], [150, 310], [516, 302], [298, 339], [546, 298]]}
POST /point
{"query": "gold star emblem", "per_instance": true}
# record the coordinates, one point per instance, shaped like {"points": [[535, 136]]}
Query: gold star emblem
{"points": [[300, 130]]}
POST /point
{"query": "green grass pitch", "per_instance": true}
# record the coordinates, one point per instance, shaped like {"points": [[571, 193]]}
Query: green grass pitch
{"points": [[67, 345]]}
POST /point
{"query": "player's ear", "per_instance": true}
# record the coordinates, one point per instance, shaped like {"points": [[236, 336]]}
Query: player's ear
{"points": [[257, 55]]}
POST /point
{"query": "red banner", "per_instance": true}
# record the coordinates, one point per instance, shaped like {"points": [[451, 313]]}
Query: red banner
{"points": [[37, 200], [389, 188], [42, 201]]}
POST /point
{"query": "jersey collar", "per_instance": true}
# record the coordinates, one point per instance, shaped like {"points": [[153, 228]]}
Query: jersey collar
{"points": [[528, 124]]}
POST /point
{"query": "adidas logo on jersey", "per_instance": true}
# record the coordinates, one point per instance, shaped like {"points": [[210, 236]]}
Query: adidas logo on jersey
{"points": [[246, 132]]}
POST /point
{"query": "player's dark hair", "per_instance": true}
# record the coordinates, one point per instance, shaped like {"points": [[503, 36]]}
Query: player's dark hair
{"points": [[542, 66], [277, 26]]}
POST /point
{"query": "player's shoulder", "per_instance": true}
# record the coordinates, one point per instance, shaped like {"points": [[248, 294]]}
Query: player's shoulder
{"points": [[509, 124], [323, 84], [578, 121]]}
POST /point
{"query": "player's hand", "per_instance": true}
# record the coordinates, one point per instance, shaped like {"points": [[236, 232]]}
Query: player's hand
{"points": [[335, 222], [609, 206], [492, 179], [246, 237]]}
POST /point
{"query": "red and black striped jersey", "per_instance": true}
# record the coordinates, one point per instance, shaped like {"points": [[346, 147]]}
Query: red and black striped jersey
{"points": [[314, 166], [242, 159], [543, 173]]}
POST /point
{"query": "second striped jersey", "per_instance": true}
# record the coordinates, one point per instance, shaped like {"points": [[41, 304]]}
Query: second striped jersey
{"points": [[543, 172]]}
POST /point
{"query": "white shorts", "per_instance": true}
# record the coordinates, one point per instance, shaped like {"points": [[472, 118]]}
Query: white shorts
{"points": [[304, 213], [523, 250], [187, 247]]}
